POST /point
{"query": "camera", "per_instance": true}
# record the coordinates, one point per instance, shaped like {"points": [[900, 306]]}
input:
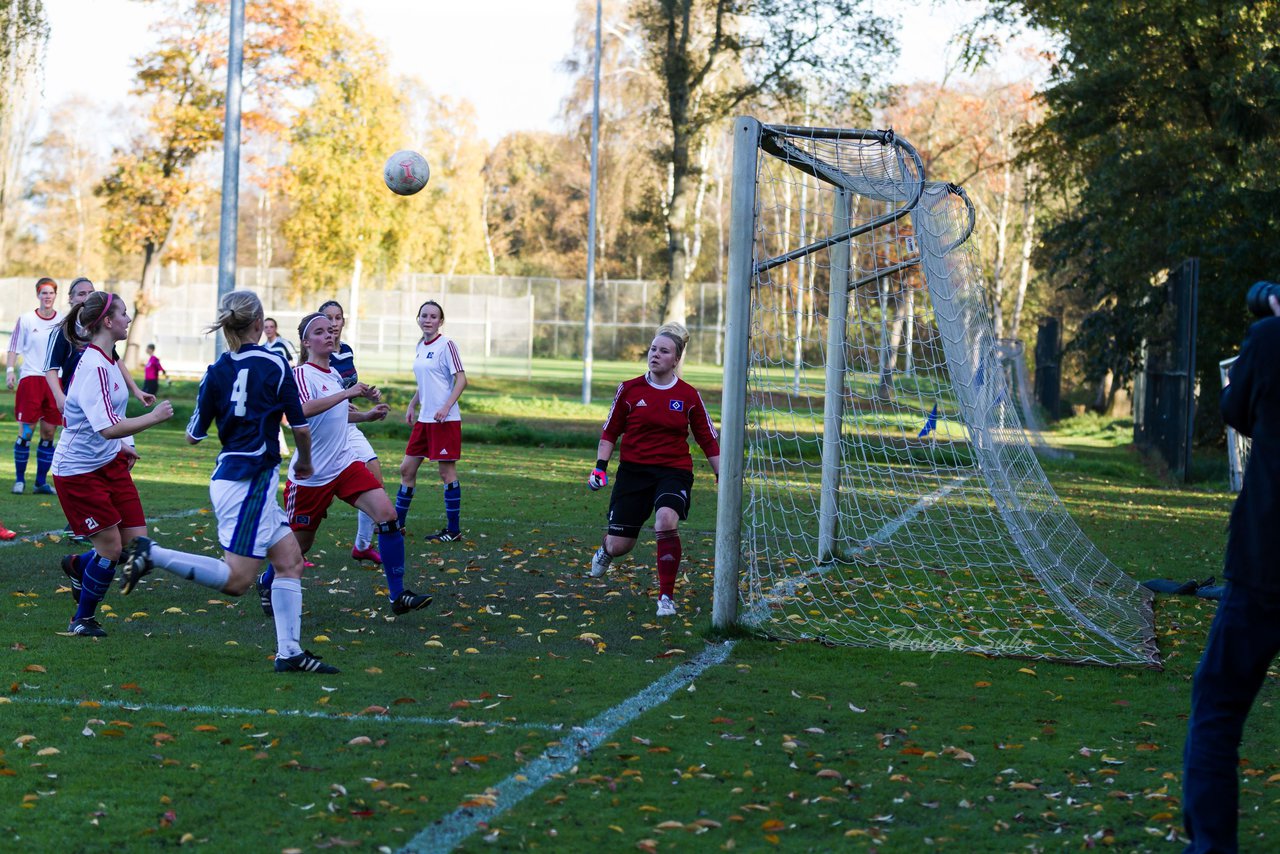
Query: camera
{"points": [[1259, 294]]}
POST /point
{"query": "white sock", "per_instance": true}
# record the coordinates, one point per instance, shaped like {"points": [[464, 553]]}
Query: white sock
{"points": [[286, 602], [202, 569], [364, 530]]}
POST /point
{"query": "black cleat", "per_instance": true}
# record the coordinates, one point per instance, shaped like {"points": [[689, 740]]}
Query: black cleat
{"points": [[86, 627], [264, 597], [410, 601], [135, 562], [76, 576], [304, 662], [444, 536]]}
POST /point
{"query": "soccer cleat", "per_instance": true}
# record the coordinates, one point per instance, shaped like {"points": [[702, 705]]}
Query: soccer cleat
{"points": [[264, 596], [600, 562], [86, 627], [135, 562], [77, 577], [18, 487], [5, 533], [72, 536], [44, 489], [370, 554], [306, 564], [444, 536], [666, 606], [304, 662], [409, 601]]}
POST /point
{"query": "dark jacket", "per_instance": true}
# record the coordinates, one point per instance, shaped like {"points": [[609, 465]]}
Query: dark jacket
{"points": [[1251, 404]]}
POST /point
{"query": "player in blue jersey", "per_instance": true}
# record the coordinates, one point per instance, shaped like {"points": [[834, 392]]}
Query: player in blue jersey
{"points": [[245, 392], [343, 361]]}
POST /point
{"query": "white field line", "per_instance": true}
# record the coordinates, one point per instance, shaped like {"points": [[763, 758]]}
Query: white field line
{"points": [[787, 588], [450, 831], [24, 539], [228, 711]]}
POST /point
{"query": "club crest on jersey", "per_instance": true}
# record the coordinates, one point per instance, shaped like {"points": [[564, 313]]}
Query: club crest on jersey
{"points": [[676, 405]]}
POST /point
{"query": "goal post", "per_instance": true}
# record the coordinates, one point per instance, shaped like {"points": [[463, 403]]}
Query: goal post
{"points": [[877, 484]]}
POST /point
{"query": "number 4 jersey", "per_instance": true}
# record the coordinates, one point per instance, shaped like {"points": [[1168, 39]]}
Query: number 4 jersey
{"points": [[245, 392]]}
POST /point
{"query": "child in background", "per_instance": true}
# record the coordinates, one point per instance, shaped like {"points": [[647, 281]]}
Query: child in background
{"points": [[151, 371]]}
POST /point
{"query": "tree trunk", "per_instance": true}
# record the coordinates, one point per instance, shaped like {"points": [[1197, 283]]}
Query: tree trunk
{"points": [[353, 310], [1028, 241]]}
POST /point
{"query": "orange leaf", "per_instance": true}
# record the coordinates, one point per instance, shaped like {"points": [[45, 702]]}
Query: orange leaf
{"points": [[35, 668], [773, 824], [206, 728]]}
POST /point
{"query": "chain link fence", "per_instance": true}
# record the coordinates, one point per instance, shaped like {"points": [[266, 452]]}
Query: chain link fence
{"points": [[500, 323]]}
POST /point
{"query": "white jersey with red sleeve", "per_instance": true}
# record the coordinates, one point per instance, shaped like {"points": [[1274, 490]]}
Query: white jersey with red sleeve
{"points": [[434, 364], [96, 400], [330, 451], [30, 340], [655, 422]]}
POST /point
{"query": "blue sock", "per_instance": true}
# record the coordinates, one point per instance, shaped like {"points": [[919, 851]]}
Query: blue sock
{"points": [[44, 459], [97, 578], [83, 561], [268, 575], [404, 497], [453, 506], [21, 453], [391, 545]]}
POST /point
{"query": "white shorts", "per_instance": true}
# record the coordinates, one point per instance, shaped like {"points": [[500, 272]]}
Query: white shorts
{"points": [[250, 519], [358, 443]]}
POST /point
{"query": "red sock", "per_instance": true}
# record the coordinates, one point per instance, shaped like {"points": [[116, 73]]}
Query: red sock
{"points": [[668, 562]]}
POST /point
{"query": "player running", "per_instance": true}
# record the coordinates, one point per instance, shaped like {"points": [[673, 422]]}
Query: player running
{"points": [[92, 463], [656, 411], [339, 473], [33, 405], [245, 392], [437, 422], [343, 360]]}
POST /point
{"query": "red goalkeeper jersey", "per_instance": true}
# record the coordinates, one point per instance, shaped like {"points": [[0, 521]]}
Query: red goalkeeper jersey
{"points": [[657, 422]]}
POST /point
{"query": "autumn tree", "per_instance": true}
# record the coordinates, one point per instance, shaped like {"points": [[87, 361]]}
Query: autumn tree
{"points": [[24, 31], [68, 167], [342, 216], [154, 191], [713, 56], [1162, 140]]}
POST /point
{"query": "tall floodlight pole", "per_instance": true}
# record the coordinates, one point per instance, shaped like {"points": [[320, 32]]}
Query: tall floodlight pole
{"points": [[591, 218], [231, 162]]}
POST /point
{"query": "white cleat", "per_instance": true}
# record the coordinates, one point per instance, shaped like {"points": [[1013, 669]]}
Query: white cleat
{"points": [[18, 487], [666, 606], [600, 563]]}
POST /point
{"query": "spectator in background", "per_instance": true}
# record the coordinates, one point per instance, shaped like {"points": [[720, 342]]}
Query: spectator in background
{"points": [[151, 371], [1245, 635]]}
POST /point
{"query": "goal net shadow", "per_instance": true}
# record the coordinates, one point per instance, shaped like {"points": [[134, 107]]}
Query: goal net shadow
{"points": [[879, 486]]}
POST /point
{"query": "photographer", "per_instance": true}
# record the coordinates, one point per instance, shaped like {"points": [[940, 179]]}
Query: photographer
{"points": [[1245, 635]]}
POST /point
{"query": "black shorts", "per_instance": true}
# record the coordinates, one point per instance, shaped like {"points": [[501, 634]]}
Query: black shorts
{"points": [[638, 490], [151, 386]]}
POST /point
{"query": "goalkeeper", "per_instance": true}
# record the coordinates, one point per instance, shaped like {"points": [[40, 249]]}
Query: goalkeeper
{"points": [[656, 411], [1245, 635]]}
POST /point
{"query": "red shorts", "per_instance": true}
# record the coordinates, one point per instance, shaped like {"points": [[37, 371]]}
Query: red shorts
{"points": [[436, 440], [34, 402], [100, 499], [307, 505]]}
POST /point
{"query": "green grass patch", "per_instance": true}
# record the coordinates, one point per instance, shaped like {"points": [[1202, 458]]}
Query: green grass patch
{"points": [[175, 731]]}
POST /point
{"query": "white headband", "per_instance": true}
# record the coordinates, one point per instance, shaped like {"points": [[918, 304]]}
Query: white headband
{"points": [[307, 328]]}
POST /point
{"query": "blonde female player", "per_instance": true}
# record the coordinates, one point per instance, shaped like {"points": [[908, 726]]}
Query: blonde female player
{"points": [[245, 392], [437, 423], [343, 360], [34, 406], [656, 412], [92, 463], [339, 473]]}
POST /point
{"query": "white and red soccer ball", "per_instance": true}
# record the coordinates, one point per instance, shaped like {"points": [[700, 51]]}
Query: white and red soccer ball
{"points": [[406, 172]]}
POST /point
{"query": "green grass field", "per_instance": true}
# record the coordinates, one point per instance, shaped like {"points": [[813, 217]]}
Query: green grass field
{"points": [[534, 708]]}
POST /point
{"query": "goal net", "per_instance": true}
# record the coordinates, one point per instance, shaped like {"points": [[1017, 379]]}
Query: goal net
{"points": [[877, 485], [1012, 354]]}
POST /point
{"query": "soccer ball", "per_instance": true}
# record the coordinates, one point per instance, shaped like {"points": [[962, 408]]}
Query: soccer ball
{"points": [[406, 172]]}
